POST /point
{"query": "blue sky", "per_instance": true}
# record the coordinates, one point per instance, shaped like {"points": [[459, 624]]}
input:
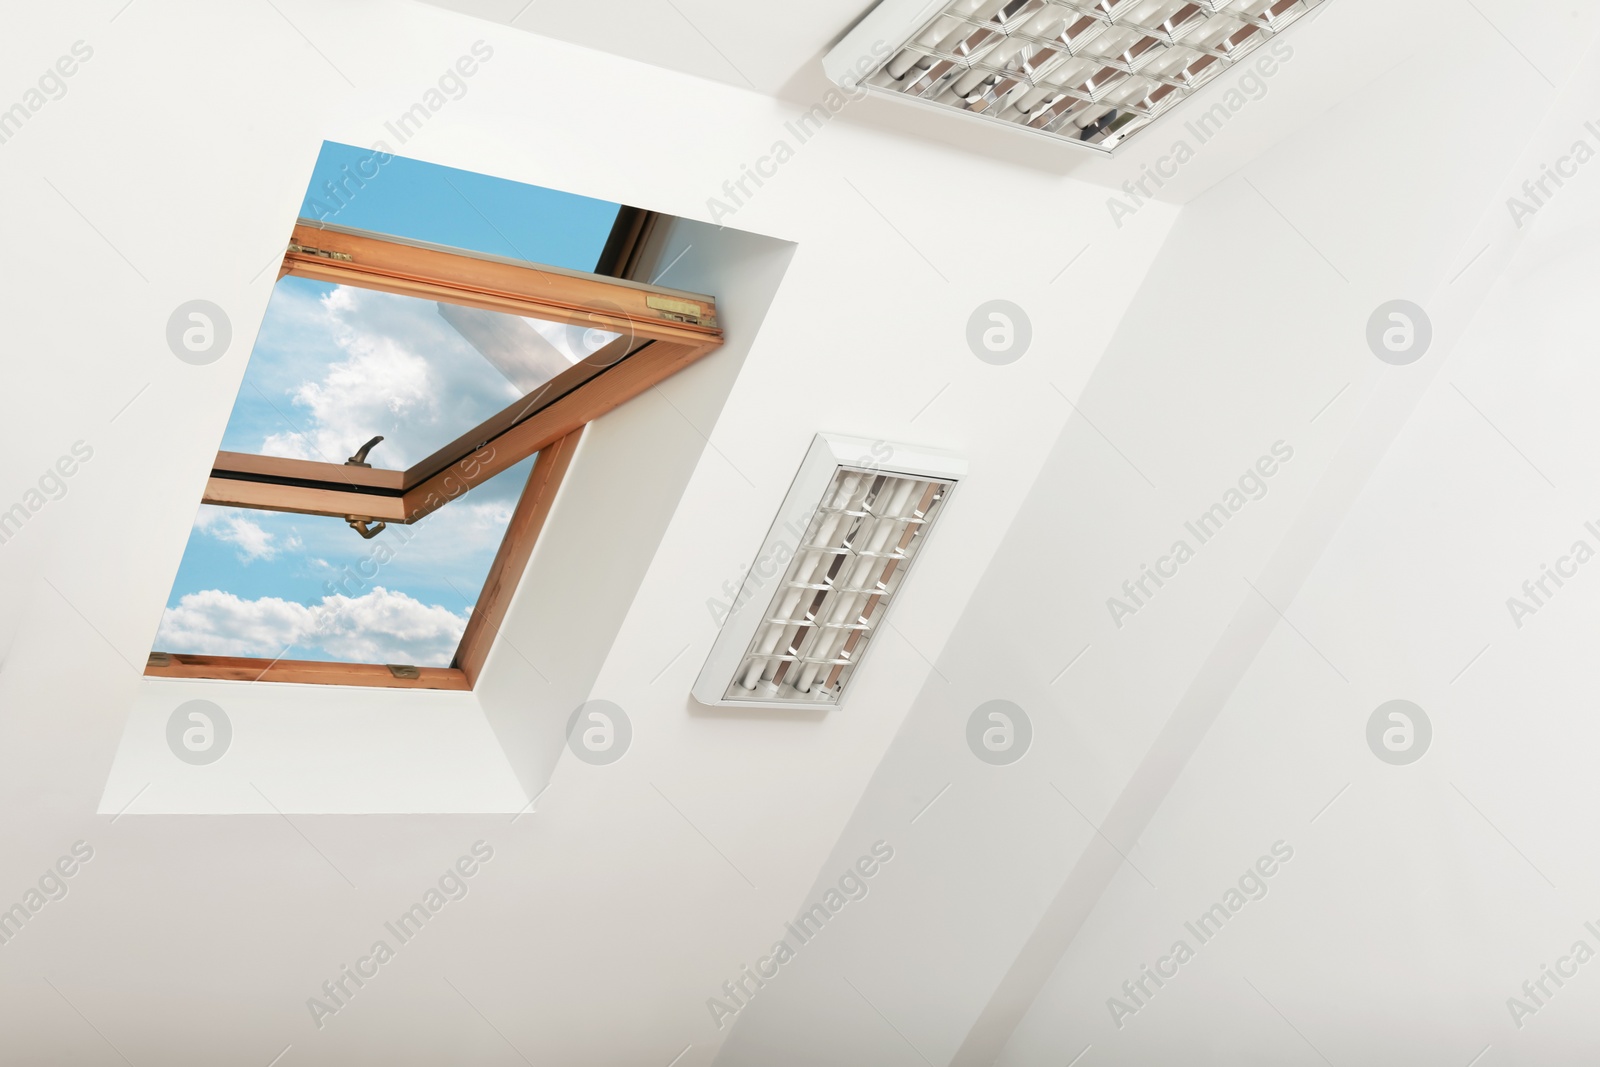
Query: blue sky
{"points": [[426, 202], [332, 366]]}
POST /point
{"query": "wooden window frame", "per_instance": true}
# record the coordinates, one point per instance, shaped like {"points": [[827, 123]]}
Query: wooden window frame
{"points": [[660, 331]]}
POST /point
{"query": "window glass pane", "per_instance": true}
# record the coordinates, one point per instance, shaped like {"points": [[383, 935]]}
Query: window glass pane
{"points": [[334, 366], [402, 197], [279, 585]]}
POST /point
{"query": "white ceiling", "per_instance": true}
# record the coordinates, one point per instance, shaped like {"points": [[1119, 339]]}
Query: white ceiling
{"points": [[1169, 753], [777, 48], [757, 46]]}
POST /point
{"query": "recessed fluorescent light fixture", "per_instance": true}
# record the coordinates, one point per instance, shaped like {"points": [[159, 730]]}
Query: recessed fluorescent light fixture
{"points": [[1093, 72], [855, 519]]}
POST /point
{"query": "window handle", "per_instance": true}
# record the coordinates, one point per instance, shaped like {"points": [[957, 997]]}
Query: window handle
{"points": [[360, 458], [360, 525]]}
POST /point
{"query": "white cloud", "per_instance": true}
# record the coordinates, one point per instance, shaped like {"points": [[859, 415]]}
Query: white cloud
{"points": [[378, 384], [214, 623], [378, 626], [352, 364], [227, 525], [385, 627], [471, 526]]}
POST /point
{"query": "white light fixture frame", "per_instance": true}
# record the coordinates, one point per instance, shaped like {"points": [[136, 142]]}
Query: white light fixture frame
{"points": [[767, 580], [1001, 66]]}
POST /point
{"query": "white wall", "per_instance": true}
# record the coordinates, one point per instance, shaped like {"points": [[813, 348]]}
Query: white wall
{"points": [[375, 751], [1426, 894], [622, 489]]}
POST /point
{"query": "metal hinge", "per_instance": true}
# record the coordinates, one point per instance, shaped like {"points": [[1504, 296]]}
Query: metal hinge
{"points": [[680, 310], [323, 253]]}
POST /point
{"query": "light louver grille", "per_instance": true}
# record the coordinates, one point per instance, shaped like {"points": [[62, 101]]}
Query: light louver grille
{"points": [[800, 641], [1090, 71], [838, 586]]}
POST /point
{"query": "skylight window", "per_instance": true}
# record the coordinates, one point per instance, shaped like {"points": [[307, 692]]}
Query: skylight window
{"points": [[404, 423], [1093, 72]]}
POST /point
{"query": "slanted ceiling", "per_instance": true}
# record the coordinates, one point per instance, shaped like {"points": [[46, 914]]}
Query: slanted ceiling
{"points": [[1169, 353]]}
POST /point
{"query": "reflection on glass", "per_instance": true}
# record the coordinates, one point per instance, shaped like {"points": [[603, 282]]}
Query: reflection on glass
{"points": [[334, 366]]}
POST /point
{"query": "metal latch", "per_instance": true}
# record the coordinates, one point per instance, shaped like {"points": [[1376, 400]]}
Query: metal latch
{"points": [[680, 310], [321, 253], [402, 670]]}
